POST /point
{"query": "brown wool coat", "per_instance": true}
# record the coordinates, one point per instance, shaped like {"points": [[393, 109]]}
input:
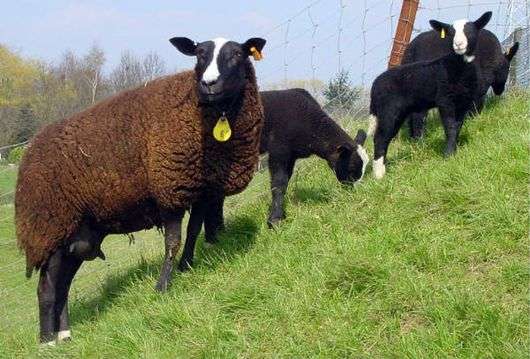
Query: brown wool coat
{"points": [[118, 163]]}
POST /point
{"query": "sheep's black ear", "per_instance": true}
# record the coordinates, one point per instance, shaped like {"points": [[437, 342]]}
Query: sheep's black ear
{"points": [[184, 45], [483, 20], [343, 163], [255, 42], [360, 138], [438, 25], [511, 52]]}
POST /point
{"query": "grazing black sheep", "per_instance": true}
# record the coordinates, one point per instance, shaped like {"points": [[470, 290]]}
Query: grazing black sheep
{"points": [[134, 161], [493, 66], [449, 83], [295, 127]]}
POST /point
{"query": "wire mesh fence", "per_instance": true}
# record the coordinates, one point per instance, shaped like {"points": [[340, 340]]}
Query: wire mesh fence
{"points": [[309, 49]]}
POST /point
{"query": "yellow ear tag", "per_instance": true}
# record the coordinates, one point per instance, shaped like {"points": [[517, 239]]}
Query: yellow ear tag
{"points": [[222, 131], [256, 54], [442, 34]]}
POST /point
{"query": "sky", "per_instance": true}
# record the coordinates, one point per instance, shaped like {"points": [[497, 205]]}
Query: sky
{"points": [[305, 38]]}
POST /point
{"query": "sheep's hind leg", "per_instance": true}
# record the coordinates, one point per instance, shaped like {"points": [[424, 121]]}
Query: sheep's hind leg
{"points": [[172, 229], [70, 266], [193, 230], [385, 132], [416, 124], [281, 169], [55, 278]]}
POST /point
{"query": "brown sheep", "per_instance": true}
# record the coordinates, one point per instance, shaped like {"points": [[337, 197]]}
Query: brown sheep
{"points": [[134, 161]]}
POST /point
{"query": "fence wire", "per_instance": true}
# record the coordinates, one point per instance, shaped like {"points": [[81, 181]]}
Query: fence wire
{"points": [[305, 50]]}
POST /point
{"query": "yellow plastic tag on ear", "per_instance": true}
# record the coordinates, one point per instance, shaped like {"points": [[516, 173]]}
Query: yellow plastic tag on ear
{"points": [[222, 131], [442, 34], [256, 54]]}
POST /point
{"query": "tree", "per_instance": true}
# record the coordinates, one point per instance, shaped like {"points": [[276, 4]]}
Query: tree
{"points": [[93, 70], [153, 66], [340, 95], [132, 72], [26, 125], [127, 74], [17, 76]]}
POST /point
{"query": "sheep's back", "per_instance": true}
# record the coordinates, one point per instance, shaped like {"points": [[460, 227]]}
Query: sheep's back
{"points": [[90, 166]]}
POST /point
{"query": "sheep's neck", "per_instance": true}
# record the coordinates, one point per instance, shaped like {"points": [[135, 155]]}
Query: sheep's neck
{"points": [[327, 137], [229, 108]]}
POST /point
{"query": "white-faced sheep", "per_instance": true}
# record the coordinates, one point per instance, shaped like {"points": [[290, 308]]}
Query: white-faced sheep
{"points": [[493, 66], [448, 83], [134, 161], [295, 127]]}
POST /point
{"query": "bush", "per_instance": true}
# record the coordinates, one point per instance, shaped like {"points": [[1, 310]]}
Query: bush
{"points": [[341, 96], [15, 155]]}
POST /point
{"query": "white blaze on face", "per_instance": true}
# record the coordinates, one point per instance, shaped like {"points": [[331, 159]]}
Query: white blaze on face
{"points": [[211, 74], [460, 39]]}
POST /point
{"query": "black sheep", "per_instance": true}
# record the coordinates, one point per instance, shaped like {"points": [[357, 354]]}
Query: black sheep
{"points": [[295, 126], [449, 83], [493, 66]]}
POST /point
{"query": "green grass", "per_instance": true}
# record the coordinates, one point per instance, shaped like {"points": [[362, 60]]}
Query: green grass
{"points": [[431, 261]]}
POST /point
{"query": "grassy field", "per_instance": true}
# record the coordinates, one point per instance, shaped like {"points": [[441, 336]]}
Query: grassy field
{"points": [[431, 261]]}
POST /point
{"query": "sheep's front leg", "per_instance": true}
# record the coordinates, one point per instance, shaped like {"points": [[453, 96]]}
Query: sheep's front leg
{"points": [[452, 124], [213, 220], [172, 229], [192, 232], [281, 170]]}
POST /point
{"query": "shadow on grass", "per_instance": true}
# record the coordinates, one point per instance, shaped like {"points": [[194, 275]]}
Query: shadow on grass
{"points": [[310, 195], [238, 237]]}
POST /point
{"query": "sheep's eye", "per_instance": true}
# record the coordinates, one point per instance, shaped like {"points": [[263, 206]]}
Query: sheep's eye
{"points": [[238, 54]]}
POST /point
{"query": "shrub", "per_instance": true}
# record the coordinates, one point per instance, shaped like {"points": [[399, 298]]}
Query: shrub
{"points": [[16, 154]]}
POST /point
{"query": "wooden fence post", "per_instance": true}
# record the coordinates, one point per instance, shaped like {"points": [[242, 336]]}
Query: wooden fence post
{"points": [[403, 31], [517, 36]]}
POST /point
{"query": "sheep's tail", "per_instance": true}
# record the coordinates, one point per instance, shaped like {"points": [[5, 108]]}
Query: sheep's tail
{"points": [[372, 125]]}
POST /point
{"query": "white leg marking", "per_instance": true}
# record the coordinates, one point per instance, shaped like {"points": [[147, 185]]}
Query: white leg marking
{"points": [[212, 71], [48, 344], [460, 39], [207, 244], [379, 167], [372, 125], [364, 157], [63, 334]]}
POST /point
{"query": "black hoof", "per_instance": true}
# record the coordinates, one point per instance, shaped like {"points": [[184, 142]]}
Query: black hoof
{"points": [[185, 266], [48, 339], [448, 153], [161, 286], [274, 222]]}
